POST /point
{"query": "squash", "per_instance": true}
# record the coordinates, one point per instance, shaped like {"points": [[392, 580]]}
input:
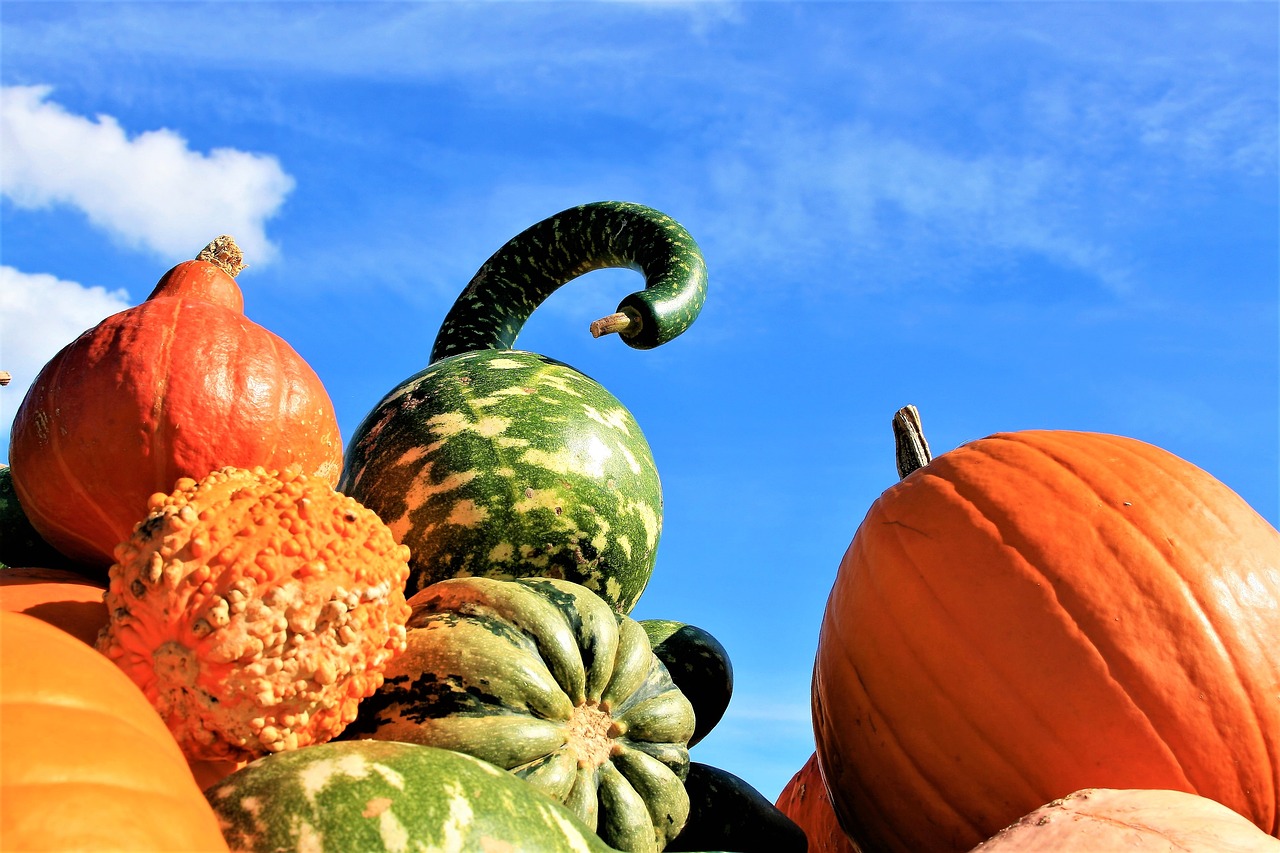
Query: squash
{"points": [[21, 545], [1043, 611], [177, 386], [255, 610], [62, 598], [371, 796], [541, 677], [805, 800], [1131, 820], [85, 763], [699, 666], [727, 813], [502, 463]]}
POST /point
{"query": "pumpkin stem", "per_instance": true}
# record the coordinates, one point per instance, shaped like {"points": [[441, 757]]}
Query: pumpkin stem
{"points": [[911, 449], [223, 252]]}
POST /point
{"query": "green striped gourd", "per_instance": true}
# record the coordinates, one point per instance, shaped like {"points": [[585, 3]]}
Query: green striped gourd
{"points": [[541, 677], [368, 796], [503, 463], [699, 666]]}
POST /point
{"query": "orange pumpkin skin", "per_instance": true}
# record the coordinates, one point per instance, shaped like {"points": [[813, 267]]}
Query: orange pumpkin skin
{"points": [[85, 762], [1044, 611], [804, 799], [177, 386], [1135, 821], [62, 598]]}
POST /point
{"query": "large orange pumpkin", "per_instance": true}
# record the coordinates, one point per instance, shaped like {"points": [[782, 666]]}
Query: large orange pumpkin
{"points": [[1039, 612], [85, 762], [1135, 821], [805, 800], [177, 386], [60, 597]]}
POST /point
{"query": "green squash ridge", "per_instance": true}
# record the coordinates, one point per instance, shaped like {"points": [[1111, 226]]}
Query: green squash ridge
{"points": [[492, 309]]}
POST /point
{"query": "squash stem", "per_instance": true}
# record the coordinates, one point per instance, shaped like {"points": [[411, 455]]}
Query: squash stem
{"points": [[223, 253], [626, 321], [910, 447]]}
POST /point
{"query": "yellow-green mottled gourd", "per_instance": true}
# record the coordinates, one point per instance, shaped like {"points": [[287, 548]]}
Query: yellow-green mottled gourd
{"points": [[503, 463]]}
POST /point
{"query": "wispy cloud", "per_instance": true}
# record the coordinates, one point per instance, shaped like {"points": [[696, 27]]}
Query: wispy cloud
{"points": [[149, 190], [41, 315]]}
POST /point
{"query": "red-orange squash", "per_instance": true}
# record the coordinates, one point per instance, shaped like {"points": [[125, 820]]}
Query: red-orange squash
{"points": [[85, 762], [1044, 611], [804, 799], [62, 598], [1134, 821], [177, 386]]}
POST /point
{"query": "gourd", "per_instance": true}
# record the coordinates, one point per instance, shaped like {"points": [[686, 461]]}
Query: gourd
{"points": [[255, 609], [727, 813], [60, 597], [805, 800], [497, 462], [1131, 820], [1043, 611], [177, 386], [699, 666], [371, 796], [85, 763], [20, 544], [541, 677]]}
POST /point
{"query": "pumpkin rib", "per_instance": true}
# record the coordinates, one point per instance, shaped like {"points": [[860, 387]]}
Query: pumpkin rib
{"points": [[157, 436], [1200, 613]]}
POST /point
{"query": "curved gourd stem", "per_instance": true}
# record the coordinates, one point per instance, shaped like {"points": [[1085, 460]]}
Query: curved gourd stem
{"points": [[910, 448], [516, 279]]}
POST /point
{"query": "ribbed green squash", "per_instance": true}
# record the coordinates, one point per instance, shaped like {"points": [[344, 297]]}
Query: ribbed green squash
{"points": [[540, 676], [699, 666], [503, 463], [367, 796]]}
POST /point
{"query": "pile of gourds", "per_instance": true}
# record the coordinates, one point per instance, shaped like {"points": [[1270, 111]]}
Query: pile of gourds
{"points": [[221, 629]]}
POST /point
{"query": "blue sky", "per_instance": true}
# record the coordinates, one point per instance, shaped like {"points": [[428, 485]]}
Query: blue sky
{"points": [[1012, 215]]}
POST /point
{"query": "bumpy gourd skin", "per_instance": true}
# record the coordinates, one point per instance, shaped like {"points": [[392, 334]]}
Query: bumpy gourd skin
{"points": [[255, 610], [541, 677]]}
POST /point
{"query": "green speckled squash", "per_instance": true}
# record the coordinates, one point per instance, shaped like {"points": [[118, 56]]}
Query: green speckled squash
{"points": [[502, 463], [368, 796], [541, 677], [699, 666]]}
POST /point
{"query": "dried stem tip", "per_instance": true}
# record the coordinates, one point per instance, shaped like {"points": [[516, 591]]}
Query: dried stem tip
{"points": [[223, 252], [622, 322], [911, 449]]}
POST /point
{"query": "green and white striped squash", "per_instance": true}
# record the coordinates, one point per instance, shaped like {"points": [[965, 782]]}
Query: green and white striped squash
{"points": [[541, 677], [367, 796], [502, 463]]}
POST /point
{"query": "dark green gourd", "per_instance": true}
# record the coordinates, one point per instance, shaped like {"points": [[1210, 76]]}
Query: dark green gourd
{"points": [[502, 463], [699, 666]]}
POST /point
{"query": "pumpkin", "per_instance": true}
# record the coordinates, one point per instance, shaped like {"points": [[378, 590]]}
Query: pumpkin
{"points": [[727, 813], [371, 796], [805, 800], [20, 544], [177, 386], [541, 677], [1131, 820], [60, 597], [502, 463], [699, 666], [255, 609], [1043, 611], [85, 763]]}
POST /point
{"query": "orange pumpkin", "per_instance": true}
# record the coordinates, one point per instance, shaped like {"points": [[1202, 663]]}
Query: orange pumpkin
{"points": [[177, 386], [85, 762], [804, 799], [1039, 612], [1136, 821], [58, 596]]}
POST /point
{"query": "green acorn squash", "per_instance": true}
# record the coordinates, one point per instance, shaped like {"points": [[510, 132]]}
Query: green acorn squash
{"points": [[541, 677], [699, 666], [502, 463], [368, 796]]}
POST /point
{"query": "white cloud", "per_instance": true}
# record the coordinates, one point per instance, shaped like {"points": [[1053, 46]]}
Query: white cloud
{"points": [[150, 190], [42, 314]]}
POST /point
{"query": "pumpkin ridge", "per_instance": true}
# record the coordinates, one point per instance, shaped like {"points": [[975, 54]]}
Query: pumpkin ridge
{"points": [[162, 361], [1191, 590]]}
